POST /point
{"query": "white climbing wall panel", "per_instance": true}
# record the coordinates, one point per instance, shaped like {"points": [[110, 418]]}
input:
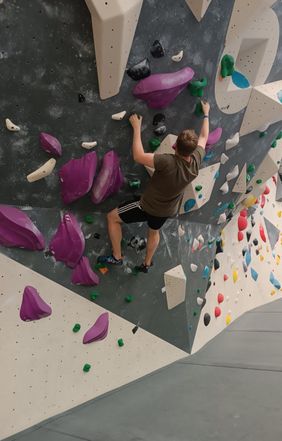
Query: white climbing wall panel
{"points": [[245, 293], [175, 286], [198, 7], [240, 185], [42, 361], [252, 39], [263, 108], [114, 23]]}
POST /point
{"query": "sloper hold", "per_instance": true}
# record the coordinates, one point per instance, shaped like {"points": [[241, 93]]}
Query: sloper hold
{"points": [[33, 306], [76, 177], [67, 244], [214, 136], [224, 158], [240, 185], [17, 230], [233, 141], [224, 188], [198, 7], [272, 232], [233, 173], [159, 90], [50, 144], [99, 330], [221, 219], [109, 179], [140, 70], [83, 274]]}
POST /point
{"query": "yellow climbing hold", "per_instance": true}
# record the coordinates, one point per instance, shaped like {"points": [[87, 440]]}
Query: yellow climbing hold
{"points": [[235, 276], [277, 259], [228, 319], [267, 249], [261, 258], [273, 292], [249, 201], [279, 214]]}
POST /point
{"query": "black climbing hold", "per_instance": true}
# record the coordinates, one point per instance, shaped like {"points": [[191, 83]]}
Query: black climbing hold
{"points": [[257, 252], [160, 130], [244, 250], [249, 233], [216, 264], [140, 70], [135, 329], [81, 98], [229, 216], [253, 223], [249, 190], [48, 253], [96, 235], [209, 285], [158, 118], [138, 243], [207, 319], [157, 51], [219, 248], [203, 304], [255, 242]]}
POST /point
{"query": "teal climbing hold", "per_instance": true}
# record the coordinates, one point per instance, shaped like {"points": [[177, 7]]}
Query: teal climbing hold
{"points": [[248, 258], [227, 66], [254, 274], [206, 272], [274, 281], [197, 87], [189, 204], [279, 95], [198, 109], [134, 183], [240, 80]]}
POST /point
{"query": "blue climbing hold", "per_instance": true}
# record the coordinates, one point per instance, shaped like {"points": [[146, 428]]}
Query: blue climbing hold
{"points": [[274, 281], [279, 96], [189, 204], [209, 156], [248, 258], [206, 272], [254, 274], [240, 80], [216, 175]]}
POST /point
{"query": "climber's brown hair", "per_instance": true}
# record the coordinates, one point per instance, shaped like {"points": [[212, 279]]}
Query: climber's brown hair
{"points": [[186, 142]]}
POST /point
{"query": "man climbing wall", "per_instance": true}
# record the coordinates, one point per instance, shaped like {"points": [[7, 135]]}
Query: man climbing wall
{"points": [[164, 192]]}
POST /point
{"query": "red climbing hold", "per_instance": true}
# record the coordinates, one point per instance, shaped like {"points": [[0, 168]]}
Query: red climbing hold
{"points": [[266, 190], [244, 212], [242, 223], [262, 233], [217, 311], [262, 201], [225, 277], [220, 298], [240, 236]]}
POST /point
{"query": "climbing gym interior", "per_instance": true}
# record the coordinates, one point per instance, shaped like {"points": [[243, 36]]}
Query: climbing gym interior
{"points": [[95, 351]]}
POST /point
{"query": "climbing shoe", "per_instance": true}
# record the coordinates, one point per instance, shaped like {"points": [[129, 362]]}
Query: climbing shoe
{"points": [[142, 268], [109, 260]]}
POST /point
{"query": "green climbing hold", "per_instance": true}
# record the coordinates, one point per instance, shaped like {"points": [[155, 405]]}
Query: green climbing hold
{"points": [[86, 367], [198, 290], [262, 134], [89, 219], [227, 66], [154, 143], [279, 136], [198, 109], [274, 144], [128, 299], [120, 342], [231, 205], [259, 181], [76, 327], [94, 295], [198, 188], [195, 313], [134, 183], [251, 168], [197, 87]]}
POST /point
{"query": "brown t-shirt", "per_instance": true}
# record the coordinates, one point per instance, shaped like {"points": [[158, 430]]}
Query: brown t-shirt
{"points": [[163, 194]]}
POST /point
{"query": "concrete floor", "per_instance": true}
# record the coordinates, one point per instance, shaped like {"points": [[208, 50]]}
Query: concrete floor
{"points": [[228, 390]]}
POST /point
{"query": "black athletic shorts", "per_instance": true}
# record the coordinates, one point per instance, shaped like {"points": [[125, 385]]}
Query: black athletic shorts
{"points": [[131, 211]]}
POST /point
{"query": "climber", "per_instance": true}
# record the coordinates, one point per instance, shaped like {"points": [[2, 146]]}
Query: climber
{"points": [[163, 194]]}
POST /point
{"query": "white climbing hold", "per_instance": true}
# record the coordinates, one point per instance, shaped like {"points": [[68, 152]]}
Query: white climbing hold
{"points": [[119, 116], [224, 188], [163, 289], [195, 244], [178, 57], [89, 145], [181, 231], [233, 174], [200, 301], [43, 171], [224, 158], [221, 219], [11, 126], [232, 142], [201, 239], [193, 267]]}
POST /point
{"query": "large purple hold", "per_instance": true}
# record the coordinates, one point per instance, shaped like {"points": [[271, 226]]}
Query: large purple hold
{"points": [[67, 244], [33, 306], [76, 177], [50, 144], [109, 179], [17, 230], [83, 274], [159, 90], [214, 136], [99, 330]]}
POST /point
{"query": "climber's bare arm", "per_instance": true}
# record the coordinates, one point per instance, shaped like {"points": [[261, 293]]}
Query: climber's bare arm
{"points": [[204, 134], [139, 155]]}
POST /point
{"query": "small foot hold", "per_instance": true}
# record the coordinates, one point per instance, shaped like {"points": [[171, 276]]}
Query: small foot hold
{"points": [[89, 145], [43, 171], [11, 126], [119, 116], [177, 57]]}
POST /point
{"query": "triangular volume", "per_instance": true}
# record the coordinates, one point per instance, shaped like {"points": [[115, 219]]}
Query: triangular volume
{"points": [[264, 107], [198, 7], [241, 185], [272, 232], [175, 286]]}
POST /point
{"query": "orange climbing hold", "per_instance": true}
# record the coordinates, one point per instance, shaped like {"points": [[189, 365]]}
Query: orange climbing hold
{"points": [[217, 311], [240, 236], [262, 233], [220, 298], [242, 223]]}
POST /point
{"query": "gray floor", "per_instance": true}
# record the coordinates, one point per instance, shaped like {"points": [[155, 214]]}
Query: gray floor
{"points": [[230, 390]]}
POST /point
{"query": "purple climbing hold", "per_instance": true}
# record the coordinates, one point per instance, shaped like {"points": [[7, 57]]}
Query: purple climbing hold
{"points": [[33, 306], [83, 274], [99, 330], [67, 244], [214, 136], [76, 177], [159, 90], [109, 179], [17, 230], [50, 144]]}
